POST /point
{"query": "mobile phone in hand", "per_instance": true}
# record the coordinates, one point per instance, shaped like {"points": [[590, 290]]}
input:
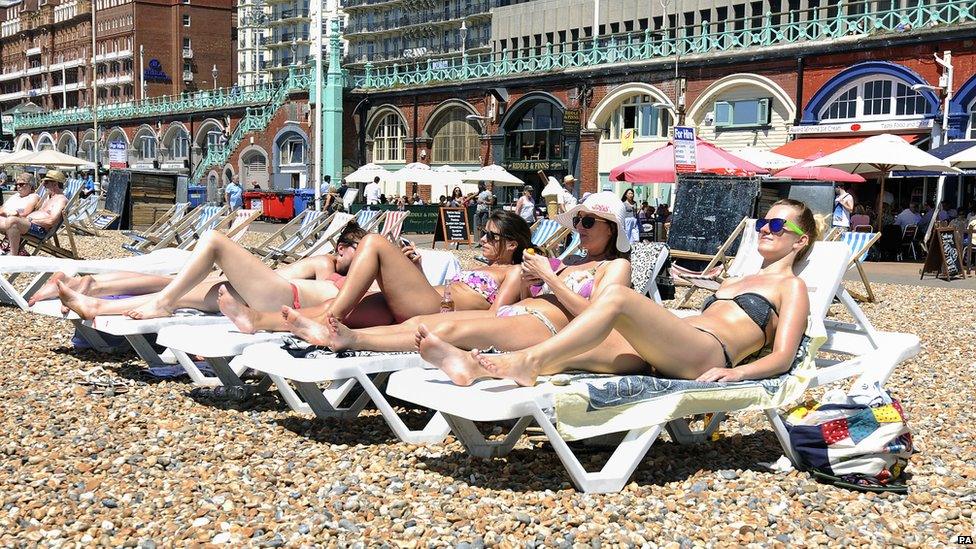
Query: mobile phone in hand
{"points": [[404, 242]]}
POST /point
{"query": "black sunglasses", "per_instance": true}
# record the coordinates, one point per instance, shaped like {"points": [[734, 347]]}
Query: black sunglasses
{"points": [[491, 236], [588, 221]]}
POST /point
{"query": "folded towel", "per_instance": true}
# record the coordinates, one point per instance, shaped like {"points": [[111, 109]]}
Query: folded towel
{"points": [[299, 348]]}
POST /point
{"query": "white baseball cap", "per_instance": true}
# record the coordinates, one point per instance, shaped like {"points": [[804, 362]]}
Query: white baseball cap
{"points": [[605, 205]]}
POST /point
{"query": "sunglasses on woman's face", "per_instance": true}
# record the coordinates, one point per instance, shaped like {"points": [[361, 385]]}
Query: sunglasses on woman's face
{"points": [[586, 221], [492, 236], [777, 225]]}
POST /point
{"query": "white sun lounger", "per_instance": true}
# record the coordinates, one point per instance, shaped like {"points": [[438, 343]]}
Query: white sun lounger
{"points": [[162, 262], [218, 343], [499, 400]]}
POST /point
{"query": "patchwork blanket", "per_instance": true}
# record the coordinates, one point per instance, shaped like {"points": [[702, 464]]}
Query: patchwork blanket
{"points": [[590, 405]]}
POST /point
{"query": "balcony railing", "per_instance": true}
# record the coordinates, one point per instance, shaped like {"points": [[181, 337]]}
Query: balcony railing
{"points": [[845, 19], [358, 25], [203, 101], [187, 53], [187, 76]]}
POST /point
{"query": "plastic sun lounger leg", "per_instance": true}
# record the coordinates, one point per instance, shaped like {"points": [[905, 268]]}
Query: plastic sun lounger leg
{"points": [[196, 376], [616, 471], [324, 408], [681, 432], [291, 398], [145, 350], [95, 339], [433, 432], [476, 444], [10, 295]]}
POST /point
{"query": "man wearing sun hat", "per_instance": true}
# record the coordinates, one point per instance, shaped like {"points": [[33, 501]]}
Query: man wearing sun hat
{"points": [[42, 220], [566, 199], [603, 205]]}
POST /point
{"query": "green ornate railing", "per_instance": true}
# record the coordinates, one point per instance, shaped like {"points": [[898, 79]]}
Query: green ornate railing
{"points": [[860, 18], [220, 98]]}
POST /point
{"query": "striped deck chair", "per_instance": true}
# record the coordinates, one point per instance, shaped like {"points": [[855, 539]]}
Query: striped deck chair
{"points": [[186, 234], [369, 220], [169, 218], [547, 234], [238, 222], [393, 224], [860, 243], [327, 242], [81, 217], [300, 231], [572, 247], [745, 261], [164, 227]]}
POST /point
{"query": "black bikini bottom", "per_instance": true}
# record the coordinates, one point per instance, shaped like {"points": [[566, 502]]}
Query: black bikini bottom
{"points": [[725, 350]]}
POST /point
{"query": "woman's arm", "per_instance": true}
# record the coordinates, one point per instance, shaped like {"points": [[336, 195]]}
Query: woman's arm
{"points": [[616, 272], [793, 313], [510, 290]]}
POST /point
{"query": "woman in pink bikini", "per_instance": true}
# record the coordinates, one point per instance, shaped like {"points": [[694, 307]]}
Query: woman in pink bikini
{"points": [[404, 290], [552, 294]]}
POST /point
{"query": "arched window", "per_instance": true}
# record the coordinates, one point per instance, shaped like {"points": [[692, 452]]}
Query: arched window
{"points": [[456, 139], [648, 118], [145, 143], [538, 135], [45, 143], [179, 144], [388, 139], [291, 147], [876, 98]]}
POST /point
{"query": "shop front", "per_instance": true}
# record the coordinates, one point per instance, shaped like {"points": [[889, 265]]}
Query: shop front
{"points": [[538, 135]]}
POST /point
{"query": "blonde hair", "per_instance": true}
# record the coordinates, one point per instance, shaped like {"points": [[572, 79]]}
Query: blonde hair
{"points": [[807, 221]]}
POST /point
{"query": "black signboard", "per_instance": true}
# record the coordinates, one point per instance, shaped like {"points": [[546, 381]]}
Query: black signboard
{"points": [[571, 123], [117, 197], [535, 165], [945, 255], [452, 226], [707, 208]]}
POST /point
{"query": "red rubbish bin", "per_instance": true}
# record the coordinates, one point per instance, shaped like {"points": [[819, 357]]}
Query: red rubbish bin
{"points": [[278, 205], [253, 200]]}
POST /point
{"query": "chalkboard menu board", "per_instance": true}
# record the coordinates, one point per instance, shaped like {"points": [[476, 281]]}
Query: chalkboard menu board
{"points": [[945, 255], [707, 209], [117, 197], [452, 226]]}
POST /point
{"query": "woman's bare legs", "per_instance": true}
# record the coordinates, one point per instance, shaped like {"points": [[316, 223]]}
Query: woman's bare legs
{"points": [[251, 278], [103, 284], [675, 348], [407, 291], [339, 336], [371, 311]]}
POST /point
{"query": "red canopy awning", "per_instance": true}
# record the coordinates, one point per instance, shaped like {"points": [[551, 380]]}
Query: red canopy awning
{"points": [[657, 166], [805, 147]]}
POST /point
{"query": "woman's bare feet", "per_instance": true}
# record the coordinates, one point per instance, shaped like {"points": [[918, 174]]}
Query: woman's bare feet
{"points": [[517, 366], [151, 309], [341, 337], [50, 288], [462, 367], [240, 314], [86, 307], [305, 328]]}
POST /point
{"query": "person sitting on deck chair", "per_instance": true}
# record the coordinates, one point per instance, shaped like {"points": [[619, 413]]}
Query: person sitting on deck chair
{"points": [[37, 223]]}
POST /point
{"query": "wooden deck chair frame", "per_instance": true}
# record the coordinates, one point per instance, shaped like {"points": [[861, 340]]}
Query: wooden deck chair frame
{"points": [[856, 262], [237, 223], [718, 258], [274, 244], [81, 219], [50, 243], [393, 224], [550, 244], [497, 400], [144, 243], [170, 218], [186, 235], [326, 241]]}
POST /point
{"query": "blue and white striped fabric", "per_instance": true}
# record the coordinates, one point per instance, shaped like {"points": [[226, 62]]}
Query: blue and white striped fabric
{"points": [[71, 187], [544, 231], [365, 218], [572, 248], [308, 224], [859, 243]]}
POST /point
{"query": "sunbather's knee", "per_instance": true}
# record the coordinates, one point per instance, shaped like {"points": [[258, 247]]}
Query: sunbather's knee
{"points": [[213, 240], [372, 241]]}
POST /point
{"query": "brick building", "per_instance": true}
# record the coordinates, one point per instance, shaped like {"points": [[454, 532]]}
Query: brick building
{"points": [[164, 46]]}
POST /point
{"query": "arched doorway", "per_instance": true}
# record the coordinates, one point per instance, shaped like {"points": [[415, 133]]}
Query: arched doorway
{"points": [[534, 140], [254, 168]]}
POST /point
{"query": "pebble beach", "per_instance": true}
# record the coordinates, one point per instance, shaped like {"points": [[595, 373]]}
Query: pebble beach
{"points": [[148, 466]]}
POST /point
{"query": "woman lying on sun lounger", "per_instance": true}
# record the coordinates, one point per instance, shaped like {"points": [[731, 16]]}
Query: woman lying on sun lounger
{"points": [[248, 277], [405, 291], [623, 332], [560, 292]]}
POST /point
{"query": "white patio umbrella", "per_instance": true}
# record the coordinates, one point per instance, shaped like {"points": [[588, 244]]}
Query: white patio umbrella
{"points": [[881, 154], [418, 172], [53, 159], [964, 160], [765, 159], [494, 173], [14, 158], [453, 178], [368, 172]]}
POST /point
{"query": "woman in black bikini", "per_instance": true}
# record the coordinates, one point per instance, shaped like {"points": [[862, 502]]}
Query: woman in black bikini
{"points": [[622, 332]]}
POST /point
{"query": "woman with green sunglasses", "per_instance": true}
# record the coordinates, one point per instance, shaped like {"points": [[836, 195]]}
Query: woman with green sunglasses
{"points": [[626, 333]]}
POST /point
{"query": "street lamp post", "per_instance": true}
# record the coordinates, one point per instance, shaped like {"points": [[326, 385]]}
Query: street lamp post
{"points": [[213, 72], [464, 35]]}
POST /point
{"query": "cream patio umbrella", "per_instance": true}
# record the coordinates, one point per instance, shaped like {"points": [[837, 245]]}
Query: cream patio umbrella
{"points": [[368, 172], [964, 160], [454, 178], [494, 173], [881, 154], [14, 158], [53, 159], [765, 159]]}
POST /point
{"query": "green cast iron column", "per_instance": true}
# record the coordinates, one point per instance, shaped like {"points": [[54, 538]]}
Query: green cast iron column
{"points": [[332, 109]]}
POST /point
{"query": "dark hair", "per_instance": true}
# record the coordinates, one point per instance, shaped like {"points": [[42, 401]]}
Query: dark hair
{"points": [[352, 233], [623, 197], [514, 228], [611, 251], [806, 221], [456, 192], [376, 179]]}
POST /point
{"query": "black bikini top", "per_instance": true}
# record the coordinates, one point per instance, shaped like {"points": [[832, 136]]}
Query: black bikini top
{"points": [[756, 306]]}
